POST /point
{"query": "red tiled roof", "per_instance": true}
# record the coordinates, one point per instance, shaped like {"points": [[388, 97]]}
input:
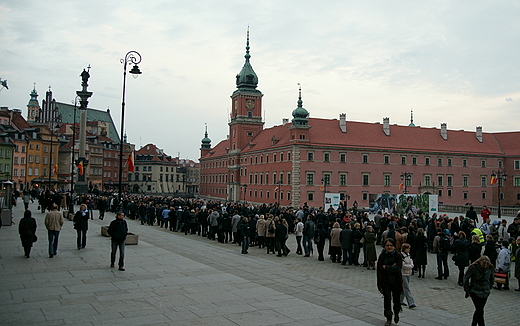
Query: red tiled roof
{"points": [[364, 135], [509, 142], [151, 149]]}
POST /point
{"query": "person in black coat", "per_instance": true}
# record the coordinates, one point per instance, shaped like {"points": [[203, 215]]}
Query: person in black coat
{"points": [[245, 232], [81, 225], [357, 243], [490, 249], [346, 239], [475, 248], [461, 257], [280, 237], [118, 230], [27, 231], [390, 280], [421, 255], [320, 234]]}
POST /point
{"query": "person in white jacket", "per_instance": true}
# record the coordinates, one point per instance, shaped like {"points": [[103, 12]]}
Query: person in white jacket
{"points": [[298, 232], [502, 231], [406, 271], [504, 264]]}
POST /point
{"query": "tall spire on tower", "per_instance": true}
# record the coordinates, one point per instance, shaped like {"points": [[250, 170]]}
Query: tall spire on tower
{"points": [[411, 119], [247, 78], [300, 114]]}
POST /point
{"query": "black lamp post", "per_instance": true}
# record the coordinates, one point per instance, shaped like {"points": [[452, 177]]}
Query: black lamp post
{"points": [[279, 186], [131, 58], [499, 175], [324, 182], [245, 191], [406, 177]]}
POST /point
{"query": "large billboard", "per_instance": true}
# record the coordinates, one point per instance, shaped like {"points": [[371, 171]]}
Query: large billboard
{"points": [[332, 199], [403, 204]]}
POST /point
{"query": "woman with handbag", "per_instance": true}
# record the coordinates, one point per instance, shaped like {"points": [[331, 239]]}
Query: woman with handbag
{"points": [[461, 257], [478, 281], [27, 231]]}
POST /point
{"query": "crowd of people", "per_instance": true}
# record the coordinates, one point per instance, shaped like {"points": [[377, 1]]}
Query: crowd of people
{"points": [[343, 236]]}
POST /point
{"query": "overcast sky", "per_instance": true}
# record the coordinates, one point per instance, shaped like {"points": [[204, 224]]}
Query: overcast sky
{"points": [[450, 61]]}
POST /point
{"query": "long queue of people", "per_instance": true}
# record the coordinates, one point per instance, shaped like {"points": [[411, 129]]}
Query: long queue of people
{"points": [[352, 237]]}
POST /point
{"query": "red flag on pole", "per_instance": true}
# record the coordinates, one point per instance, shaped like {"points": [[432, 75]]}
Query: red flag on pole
{"points": [[130, 162], [80, 167]]}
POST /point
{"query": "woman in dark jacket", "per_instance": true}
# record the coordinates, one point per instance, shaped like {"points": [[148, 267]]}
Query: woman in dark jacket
{"points": [[390, 280], [478, 280], [320, 234], [27, 231], [370, 247], [490, 249], [461, 257], [421, 255], [81, 225], [357, 236], [280, 235], [475, 248]]}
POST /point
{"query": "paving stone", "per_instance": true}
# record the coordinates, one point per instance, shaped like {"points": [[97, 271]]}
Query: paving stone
{"points": [[174, 279]]}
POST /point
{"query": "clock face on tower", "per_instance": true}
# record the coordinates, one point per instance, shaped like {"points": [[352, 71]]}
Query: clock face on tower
{"points": [[250, 104]]}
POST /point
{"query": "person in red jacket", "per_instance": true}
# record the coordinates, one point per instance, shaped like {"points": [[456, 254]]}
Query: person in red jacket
{"points": [[485, 213]]}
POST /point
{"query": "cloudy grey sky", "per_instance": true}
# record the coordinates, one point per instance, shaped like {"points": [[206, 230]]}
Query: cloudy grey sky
{"points": [[450, 61]]}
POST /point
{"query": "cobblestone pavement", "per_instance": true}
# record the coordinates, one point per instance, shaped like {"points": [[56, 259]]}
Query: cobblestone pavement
{"points": [[177, 279]]}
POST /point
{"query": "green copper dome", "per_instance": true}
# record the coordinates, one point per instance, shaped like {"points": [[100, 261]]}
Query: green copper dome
{"points": [[299, 114], [206, 142], [247, 78], [34, 97]]}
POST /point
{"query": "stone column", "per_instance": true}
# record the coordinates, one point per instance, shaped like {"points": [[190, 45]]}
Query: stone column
{"points": [[81, 184]]}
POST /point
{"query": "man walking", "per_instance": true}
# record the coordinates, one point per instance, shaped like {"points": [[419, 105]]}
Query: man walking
{"points": [[118, 230], [308, 234], [53, 223], [441, 246]]}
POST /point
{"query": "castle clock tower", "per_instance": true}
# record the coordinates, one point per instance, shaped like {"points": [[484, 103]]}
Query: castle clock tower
{"points": [[246, 102]]}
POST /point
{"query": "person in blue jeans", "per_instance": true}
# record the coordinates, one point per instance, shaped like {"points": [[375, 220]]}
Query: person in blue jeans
{"points": [[308, 235], [118, 230], [53, 222], [441, 248]]}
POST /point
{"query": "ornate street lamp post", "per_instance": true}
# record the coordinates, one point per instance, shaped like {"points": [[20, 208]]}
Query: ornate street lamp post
{"points": [[406, 177], [279, 186], [131, 58], [498, 177], [245, 190]]}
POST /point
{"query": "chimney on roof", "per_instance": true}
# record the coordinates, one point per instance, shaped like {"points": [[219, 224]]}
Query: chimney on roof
{"points": [[343, 122], [386, 126], [479, 134], [285, 121], [444, 131]]}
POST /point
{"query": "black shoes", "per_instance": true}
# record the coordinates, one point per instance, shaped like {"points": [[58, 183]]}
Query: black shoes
{"points": [[438, 278]]}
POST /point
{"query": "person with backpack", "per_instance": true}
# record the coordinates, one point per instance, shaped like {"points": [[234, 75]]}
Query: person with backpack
{"points": [[441, 246]]}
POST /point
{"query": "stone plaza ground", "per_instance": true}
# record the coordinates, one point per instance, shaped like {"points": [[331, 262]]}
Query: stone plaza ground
{"points": [[177, 279]]}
